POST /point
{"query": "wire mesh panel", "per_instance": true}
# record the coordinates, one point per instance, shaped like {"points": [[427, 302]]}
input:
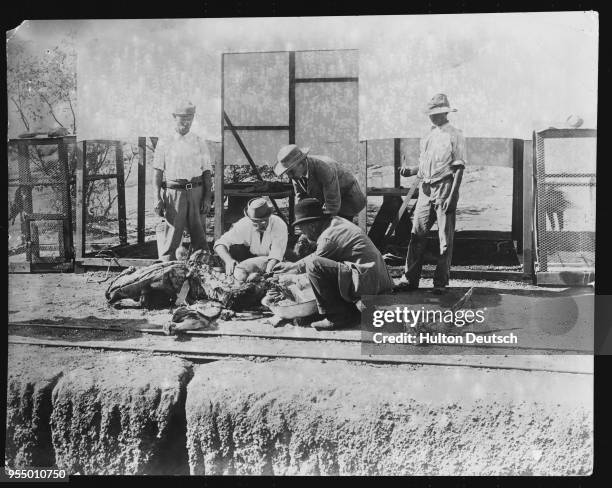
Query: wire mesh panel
{"points": [[40, 193], [110, 194], [565, 199]]}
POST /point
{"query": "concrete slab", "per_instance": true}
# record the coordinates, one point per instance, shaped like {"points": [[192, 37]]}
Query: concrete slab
{"points": [[311, 417]]}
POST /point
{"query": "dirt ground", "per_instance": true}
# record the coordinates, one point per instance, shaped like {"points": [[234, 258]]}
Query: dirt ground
{"points": [[69, 296]]}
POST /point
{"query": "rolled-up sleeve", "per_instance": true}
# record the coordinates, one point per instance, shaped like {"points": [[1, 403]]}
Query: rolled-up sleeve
{"points": [[328, 177], [236, 235], [205, 159], [159, 156], [279, 236], [459, 151]]}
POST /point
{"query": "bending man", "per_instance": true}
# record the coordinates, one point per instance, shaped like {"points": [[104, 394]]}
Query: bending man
{"points": [[345, 265], [259, 237]]}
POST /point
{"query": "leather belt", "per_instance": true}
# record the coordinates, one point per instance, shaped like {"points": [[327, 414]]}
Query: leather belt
{"points": [[173, 185]]}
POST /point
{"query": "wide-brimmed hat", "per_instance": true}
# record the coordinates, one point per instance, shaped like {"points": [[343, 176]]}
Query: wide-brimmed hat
{"points": [[288, 157], [258, 208], [439, 105], [184, 108], [309, 210]]}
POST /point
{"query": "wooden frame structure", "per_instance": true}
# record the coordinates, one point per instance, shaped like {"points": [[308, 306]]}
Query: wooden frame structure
{"points": [[82, 258], [544, 240], [522, 202], [34, 261], [289, 127]]}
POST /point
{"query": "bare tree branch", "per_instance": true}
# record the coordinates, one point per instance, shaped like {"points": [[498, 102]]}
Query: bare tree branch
{"points": [[21, 114], [50, 109]]}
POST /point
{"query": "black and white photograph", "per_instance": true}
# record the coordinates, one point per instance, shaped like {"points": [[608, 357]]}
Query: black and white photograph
{"points": [[275, 246]]}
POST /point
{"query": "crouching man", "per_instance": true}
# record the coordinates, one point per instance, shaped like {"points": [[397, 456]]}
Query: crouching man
{"points": [[345, 265], [258, 240]]}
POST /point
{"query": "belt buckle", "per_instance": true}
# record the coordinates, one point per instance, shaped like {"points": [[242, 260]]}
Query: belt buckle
{"points": [[188, 186]]}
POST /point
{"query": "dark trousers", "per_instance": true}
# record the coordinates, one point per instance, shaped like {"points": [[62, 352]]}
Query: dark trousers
{"points": [[323, 277], [427, 211]]}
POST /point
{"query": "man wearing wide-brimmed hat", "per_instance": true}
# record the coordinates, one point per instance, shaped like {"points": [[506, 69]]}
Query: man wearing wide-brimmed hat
{"points": [[345, 266], [182, 167], [441, 164], [259, 237], [322, 178]]}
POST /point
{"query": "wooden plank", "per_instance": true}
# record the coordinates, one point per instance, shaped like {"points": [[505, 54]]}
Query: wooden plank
{"points": [[403, 208], [62, 153], [26, 192], [565, 278], [81, 191], [528, 210], [517, 193], [292, 97], [347, 79], [142, 187], [258, 127], [105, 176], [220, 165], [395, 192], [115, 262], [397, 161], [121, 193]]}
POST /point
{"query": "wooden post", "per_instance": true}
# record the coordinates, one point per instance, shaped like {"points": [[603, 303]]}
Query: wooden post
{"points": [[120, 193], [81, 204], [142, 186], [397, 161], [62, 154], [25, 178], [517, 192], [220, 165], [528, 211]]}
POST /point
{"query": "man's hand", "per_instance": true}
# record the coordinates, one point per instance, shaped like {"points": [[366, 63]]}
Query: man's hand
{"points": [[205, 206], [450, 204], [159, 207], [230, 265], [285, 268], [270, 265], [406, 171]]}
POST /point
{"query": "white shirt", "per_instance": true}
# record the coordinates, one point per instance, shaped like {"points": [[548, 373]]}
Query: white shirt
{"points": [[272, 243], [182, 157]]}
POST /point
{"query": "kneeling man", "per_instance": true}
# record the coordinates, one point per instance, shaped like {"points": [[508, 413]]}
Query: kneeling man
{"points": [[345, 265], [259, 237]]}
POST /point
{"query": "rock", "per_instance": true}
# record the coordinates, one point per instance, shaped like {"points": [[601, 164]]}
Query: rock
{"points": [[122, 415], [33, 372], [306, 417]]}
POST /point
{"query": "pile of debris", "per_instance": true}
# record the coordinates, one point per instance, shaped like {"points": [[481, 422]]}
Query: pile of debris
{"points": [[200, 289]]}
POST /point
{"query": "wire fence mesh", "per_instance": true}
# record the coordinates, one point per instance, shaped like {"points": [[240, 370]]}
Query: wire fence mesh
{"points": [[565, 191]]}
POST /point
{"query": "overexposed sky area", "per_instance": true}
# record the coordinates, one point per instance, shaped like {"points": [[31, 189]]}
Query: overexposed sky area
{"points": [[507, 74]]}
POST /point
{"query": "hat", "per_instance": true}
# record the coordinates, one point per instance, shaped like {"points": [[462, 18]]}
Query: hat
{"points": [[258, 208], [288, 157], [439, 105], [309, 210], [184, 108]]}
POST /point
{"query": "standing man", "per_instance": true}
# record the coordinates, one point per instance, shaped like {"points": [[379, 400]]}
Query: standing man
{"points": [[440, 169], [345, 266], [322, 178], [182, 166], [259, 237]]}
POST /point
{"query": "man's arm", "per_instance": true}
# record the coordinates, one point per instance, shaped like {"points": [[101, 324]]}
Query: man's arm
{"points": [[158, 178], [205, 204], [458, 164], [279, 237], [328, 178], [232, 236]]}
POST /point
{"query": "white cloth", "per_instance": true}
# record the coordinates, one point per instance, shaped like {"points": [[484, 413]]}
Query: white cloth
{"points": [[182, 157], [273, 243]]}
